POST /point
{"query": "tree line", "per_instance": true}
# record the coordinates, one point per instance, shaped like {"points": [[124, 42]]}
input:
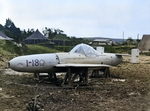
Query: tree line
{"points": [[10, 30]]}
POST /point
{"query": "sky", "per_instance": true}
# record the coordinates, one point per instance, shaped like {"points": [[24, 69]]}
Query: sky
{"points": [[81, 18]]}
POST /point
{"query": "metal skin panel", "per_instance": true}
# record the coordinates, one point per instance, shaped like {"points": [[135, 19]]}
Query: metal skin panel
{"points": [[34, 63], [74, 58]]}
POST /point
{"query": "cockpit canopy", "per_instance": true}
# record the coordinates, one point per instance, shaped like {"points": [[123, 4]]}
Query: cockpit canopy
{"points": [[85, 49]]}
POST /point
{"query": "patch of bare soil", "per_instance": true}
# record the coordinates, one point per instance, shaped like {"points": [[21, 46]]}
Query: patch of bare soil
{"points": [[127, 89]]}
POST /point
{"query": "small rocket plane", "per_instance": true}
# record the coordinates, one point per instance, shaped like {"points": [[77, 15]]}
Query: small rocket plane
{"points": [[77, 62]]}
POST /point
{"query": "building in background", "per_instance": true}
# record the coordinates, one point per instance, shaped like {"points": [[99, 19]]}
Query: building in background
{"points": [[4, 37], [144, 44], [36, 38]]}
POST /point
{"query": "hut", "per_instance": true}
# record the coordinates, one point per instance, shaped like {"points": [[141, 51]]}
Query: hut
{"points": [[36, 38], [103, 42], [4, 37], [144, 44]]}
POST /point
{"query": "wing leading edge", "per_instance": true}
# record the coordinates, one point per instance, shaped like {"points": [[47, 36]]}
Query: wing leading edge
{"points": [[82, 65]]}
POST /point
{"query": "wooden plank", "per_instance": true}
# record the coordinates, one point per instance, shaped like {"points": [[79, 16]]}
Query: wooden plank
{"points": [[86, 76], [69, 76], [65, 79], [106, 73]]}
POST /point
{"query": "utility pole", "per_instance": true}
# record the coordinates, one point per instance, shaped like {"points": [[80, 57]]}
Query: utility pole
{"points": [[123, 36], [137, 36]]}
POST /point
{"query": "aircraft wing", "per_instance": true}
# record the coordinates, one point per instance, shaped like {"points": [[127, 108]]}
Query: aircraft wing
{"points": [[83, 65]]}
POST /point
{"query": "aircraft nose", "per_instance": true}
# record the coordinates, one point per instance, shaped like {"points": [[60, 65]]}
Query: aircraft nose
{"points": [[12, 64], [8, 64]]}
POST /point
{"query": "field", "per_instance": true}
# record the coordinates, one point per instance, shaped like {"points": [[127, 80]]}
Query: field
{"points": [[127, 89]]}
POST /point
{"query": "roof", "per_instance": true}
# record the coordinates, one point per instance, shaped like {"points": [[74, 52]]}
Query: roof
{"points": [[3, 36], [144, 43], [36, 37], [102, 40], [85, 49]]}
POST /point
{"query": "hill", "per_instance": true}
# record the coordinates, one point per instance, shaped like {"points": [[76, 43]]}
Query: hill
{"points": [[118, 40]]}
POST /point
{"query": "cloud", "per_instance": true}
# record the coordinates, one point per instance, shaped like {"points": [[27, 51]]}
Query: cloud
{"points": [[80, 18]]}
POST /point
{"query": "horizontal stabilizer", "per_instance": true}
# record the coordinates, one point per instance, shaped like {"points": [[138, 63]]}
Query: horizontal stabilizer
{"points": [[122, 54]]}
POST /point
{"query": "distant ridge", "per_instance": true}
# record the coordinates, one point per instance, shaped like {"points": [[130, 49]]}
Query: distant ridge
{"points": [[113, 39]]}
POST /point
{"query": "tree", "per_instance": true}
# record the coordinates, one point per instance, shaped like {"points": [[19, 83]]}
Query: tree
{"points": [[51, 33], [13, 31], [8, 23], [1, 27], [129, 41], [48, 32]]}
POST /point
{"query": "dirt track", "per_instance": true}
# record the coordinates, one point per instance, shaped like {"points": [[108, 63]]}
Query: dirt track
{"points": [[128, 89]]}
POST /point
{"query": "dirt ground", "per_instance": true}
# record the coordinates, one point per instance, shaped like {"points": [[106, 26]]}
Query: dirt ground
{"points": [[127, 89]]}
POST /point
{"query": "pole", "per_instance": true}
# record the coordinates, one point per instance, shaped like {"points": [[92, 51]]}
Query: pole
{"points": [[137, 36], [123, 36]]}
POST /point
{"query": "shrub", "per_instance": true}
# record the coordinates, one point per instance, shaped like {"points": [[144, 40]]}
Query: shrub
{"points": [[63, 48], [110, 49], [11, 47], [37, 49]]}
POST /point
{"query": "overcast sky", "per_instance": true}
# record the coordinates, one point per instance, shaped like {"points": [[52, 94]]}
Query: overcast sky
{"points": [[81, 18]]}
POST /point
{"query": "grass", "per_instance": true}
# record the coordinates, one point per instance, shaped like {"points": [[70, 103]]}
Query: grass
{"points": [[38, 49], [137, 75], [124, 48], [11, 47], [6, 52], [63, 48]]}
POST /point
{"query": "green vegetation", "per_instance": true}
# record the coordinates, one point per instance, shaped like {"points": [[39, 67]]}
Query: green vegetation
{"points": [[38, 49], [63, 48], [8, 50], [110, 49], [124, 48], [11, 47]]}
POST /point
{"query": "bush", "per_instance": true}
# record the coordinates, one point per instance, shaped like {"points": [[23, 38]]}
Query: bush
{"points": [[110, 49], [37, 49], [124, 49], [63, 48], [47, 45], [11, 47]]}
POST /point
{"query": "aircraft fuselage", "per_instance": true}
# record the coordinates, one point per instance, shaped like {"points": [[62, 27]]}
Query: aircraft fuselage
{"points": [[45, 63]]}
